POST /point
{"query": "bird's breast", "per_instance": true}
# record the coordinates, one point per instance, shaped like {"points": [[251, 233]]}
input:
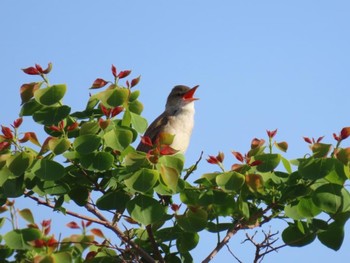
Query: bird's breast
{"points": [[181, 125]]}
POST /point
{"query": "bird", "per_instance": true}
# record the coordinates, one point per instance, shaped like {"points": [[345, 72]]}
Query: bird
{"points": [[177, 119]]}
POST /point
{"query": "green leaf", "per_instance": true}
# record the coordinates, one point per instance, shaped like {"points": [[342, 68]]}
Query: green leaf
{"points": [[136, 107], [286, 165], [175, 161], [100, 161], [230, 181], [216, 228], [194, 220], [51, 115], [328, 197], [113, 97], [89, 128], [187, 242], [293, 236], [30, 107], [143, 180], [48, 170], [12, 187], [314, 169], [169, 176], [87, 143], [80, 195], [190, 196], [17, 239], [59, 145], [320, 150], [50, 95], [118, 138], [333, 237], [145, 209], [55, 188], [19, 162], [27, 215], [113, 200], [269, 162], [138, 123], [134, 95], [62, 257], [307, 208], [291, 211]]}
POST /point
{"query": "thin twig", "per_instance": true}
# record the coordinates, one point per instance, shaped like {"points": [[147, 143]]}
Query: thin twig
{"points": [[99, 220], [238, 226], [193, 167], [230, 251]]}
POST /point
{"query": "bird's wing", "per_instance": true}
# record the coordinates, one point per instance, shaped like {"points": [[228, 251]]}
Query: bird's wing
{"points": [[153, 131]]}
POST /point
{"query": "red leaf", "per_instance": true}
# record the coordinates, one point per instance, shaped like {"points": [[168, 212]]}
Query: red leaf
{"points": [[115, 111], [320, 139], [257, 143], [52, 242], [39, 243], [48, 69], [308, 140], [124, 73], [73, 225], [336, 137], [345, 133], [46, 223], [236, 167], [114, 71], [88, 223], [238, 156], [47, 230], [212, 159], [97, 232], [99, 83], [4, 146], [271, 134], [27, 91], [6, 131], [256, 162], [31, 71], [73, 126], [61, 125], [135, 81], [30, 136], [175, 207], [54, 128], [39, 68], [167, 150], [220, 157], [91, 255], [17, 122], [146, 140], [105, 111]]}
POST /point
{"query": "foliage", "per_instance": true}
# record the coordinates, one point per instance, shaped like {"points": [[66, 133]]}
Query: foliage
{"points": [[103, 172]]}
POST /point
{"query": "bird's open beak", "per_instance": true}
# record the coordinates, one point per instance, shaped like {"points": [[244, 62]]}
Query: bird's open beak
{"points": [[188, 96]]}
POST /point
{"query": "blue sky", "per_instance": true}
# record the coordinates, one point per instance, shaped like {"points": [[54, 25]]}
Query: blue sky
{"points": [[260, 65]]}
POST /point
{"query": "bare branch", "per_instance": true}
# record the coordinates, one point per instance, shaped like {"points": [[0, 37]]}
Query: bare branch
{"points": [[99, 220]]}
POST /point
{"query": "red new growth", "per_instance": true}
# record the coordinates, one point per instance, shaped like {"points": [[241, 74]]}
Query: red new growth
{"points": [[146, 140], [124, 73], [114, 71], [271, 134]]}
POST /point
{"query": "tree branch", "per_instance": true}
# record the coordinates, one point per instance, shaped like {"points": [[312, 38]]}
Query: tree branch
{"points": [[238, 226], [193, 167], [99, 220], [154, 244]]}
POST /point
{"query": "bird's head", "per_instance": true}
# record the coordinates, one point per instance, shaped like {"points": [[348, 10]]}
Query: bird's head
{"points": [[180, 96]]}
